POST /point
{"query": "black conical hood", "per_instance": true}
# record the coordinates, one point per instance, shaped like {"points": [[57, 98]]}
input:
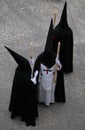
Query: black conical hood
{"points": [[63, 21], [48, 46], [21, 61]]}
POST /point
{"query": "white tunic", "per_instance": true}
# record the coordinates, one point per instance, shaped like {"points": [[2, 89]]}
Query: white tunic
{"points": [[46, 86]]}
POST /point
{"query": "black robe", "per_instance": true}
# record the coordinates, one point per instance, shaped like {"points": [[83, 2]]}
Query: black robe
{"points": [[65, 36], [63, 33], [23, 97], [23, 100], [60, 88]]}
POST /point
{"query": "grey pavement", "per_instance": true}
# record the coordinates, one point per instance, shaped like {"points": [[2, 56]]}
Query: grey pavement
{"points": [[26, 21]]}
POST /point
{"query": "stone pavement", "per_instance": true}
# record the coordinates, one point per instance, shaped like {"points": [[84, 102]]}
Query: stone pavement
{"points": [[26, 21]]}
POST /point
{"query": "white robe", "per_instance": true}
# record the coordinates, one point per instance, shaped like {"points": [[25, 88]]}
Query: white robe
{"points": [[46, 86]]}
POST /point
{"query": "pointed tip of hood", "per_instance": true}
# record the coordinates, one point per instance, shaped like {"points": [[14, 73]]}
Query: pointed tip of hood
{"points": [[20, 60], [48, 46], [63, 21]]}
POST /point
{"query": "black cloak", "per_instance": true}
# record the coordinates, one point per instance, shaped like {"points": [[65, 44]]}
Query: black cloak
{"points": [[23, 101], [63, 33]]}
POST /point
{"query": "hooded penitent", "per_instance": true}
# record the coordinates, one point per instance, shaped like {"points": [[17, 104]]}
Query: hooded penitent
{"points": [[45, 63], [23, 96], [63, 33]]}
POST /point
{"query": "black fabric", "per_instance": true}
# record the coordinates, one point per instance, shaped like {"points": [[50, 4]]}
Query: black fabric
{"points": [[23, 101], [49, 42], [20, 60], [63, 33], [63, 20], [23, 97], [60, 88], [66, 49], [46, 58], [30, 109]]}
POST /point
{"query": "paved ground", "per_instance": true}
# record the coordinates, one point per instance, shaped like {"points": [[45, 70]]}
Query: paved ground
{"points": [[23, 21]]}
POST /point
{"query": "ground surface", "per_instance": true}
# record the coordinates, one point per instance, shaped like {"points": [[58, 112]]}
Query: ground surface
{"points": [[26, 21]]}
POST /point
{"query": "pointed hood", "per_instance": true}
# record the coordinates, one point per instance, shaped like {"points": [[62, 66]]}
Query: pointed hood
{"points": [[63, 21], [48, 55], [48, 46], [20, 60]]}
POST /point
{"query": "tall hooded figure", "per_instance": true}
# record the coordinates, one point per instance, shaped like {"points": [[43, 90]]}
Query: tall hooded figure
{"points": [[45, 64], [23, 100], [63, 33]]}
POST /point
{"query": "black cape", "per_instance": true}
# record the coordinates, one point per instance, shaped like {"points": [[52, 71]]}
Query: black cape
{"points": [[60, 88], [63, 33], [23, 101]]}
